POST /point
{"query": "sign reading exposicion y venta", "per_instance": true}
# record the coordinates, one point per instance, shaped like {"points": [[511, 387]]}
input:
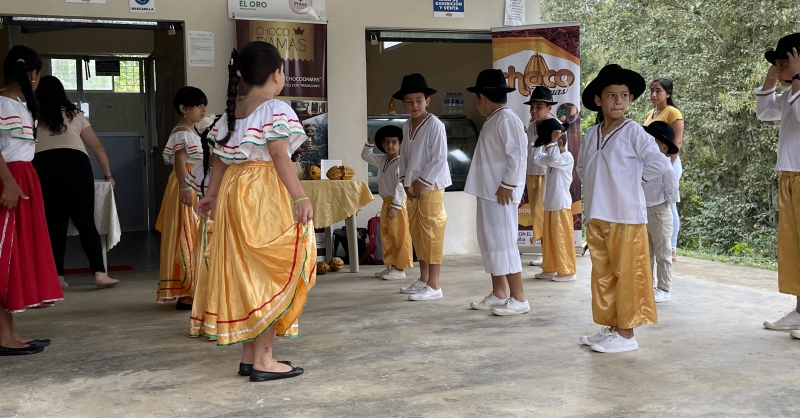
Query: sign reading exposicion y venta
{"points": [[312, 11]]}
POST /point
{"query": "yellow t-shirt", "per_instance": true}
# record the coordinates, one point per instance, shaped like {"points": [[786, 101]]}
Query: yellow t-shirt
{"points": [[668, 115]]}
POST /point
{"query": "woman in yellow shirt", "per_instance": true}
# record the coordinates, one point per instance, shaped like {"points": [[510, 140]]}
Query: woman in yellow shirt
{"points": [[666, 111]]}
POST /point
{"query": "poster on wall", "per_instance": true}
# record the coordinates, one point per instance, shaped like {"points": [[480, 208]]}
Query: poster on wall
{"points": [[544, 55], [142, 6], [282, 10], [304, 47], [448, 8]]}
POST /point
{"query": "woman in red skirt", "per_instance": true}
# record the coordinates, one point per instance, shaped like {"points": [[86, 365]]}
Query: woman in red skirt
{"points": [[28, 277]]}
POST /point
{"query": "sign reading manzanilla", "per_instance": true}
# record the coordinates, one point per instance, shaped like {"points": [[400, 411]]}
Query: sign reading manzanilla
{"points": [[312, 11]]}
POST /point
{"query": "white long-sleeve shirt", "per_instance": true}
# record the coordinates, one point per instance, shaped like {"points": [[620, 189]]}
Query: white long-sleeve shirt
{"points": [[612, 166], [784, 108], [423, 155], [662, 189], [500, 157], [533, 168], [558, 178], [389, 184]]}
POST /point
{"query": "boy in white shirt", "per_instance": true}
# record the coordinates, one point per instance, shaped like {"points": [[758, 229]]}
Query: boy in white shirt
{"points": [[785, 68], [615, 157], [395, 236], [541, 103], [558, 247], [659, 194], [496, 178], [425, 174]]}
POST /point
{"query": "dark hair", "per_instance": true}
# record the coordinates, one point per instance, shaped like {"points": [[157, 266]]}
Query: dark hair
{"points": [[599, 118], [666, 84], [189, 96], [256, 62], [389, 131], [494, 97], [54, 104], [19, 61], [206, 144]]}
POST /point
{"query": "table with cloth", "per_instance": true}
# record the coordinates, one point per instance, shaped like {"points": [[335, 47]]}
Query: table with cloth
{"points": [[105, 218], [335, 201]]}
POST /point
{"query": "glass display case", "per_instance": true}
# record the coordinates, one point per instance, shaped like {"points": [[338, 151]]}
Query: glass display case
{"points": [[462, 137]]}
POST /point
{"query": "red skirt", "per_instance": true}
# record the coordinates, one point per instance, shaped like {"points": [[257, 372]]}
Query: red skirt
{"points": [[28, 277]]}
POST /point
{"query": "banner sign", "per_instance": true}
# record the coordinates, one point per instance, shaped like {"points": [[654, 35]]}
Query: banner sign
{"points": [[544, 55], [107, 68], [304, 47], [312, 11], [448, 8]]}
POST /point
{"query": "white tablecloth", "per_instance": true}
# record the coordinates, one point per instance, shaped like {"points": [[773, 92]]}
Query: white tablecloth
{"points": [[105, 214]]}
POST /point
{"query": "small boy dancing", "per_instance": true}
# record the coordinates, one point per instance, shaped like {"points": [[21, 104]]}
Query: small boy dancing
{"points": [[558, 247], [395, 236], [496, 178], [659, 194], [425, 174], [785, 69], [615, 157]]}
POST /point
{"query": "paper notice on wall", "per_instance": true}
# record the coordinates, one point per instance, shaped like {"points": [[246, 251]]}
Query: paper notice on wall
{"points": [[87, 1], [201, 49], [515, 13], [326, 165], [142, 6]]}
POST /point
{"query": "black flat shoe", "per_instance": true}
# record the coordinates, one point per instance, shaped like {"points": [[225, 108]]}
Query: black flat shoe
{"points": [[247, 369], [39, 343], [31, 349], [180, 306], [259, 376]]}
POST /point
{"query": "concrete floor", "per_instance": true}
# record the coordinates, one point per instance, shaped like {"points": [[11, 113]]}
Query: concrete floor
{"points": [[368, 352]]}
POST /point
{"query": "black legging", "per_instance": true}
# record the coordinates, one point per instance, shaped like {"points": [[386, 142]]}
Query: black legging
{"points": [[68, 191]]}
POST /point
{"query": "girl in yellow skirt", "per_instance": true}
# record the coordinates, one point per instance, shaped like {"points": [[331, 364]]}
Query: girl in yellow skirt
{"points": [[176, 220], [262, 260]]}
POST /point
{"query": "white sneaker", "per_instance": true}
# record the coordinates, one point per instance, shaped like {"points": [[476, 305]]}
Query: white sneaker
{"points": [[63, 282], [567, 278], [790, 321], [795, 334], [489, 302], [394, 274], [414, 287], [382, 273], [661, 295], [596, 338], [546, 276], [537, 261], [614, 343], [512, 307], [428, 293]]}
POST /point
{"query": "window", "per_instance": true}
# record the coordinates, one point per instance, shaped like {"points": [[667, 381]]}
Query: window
{"points": [[126, 82], [389, 45], [66, 71]]}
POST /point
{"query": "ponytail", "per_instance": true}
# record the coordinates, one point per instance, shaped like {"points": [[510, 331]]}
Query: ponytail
{"points": [[20, 61], [233, 93]]}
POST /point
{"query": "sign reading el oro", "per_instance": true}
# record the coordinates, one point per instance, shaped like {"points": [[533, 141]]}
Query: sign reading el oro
{"points": [[278, 10]]}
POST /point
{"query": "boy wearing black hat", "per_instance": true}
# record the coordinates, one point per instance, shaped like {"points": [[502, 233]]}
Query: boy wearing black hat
{"points": [[496, 178], [659, 194], [615, 157], [541, 103], [395, 236], [785, 108], [425, 174], [558, 248]]}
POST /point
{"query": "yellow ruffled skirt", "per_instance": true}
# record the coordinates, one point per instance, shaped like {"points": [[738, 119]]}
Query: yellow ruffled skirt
{"points": [[198, 317], [261, 263], [178, 226]]}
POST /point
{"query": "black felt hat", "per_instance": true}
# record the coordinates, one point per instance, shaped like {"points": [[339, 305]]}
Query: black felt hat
{"points": [[388, 131], [664, 133], [785, 46], [541, 94], [610, 75], [413, 83], [491, 81], [545, 129]]}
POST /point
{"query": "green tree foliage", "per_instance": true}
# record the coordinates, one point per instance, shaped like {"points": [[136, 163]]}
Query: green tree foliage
{"points": [[714, 54]]}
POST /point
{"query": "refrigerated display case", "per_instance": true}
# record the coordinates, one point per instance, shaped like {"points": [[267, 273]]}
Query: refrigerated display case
{"points": [[462, 137]]}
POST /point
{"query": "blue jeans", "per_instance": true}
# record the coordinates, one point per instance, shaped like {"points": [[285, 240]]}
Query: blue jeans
{"points": [[676, 221]]}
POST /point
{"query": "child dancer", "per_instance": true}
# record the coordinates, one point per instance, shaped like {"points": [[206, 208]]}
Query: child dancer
{"points": [[496, 178], [396, 239], [660, 194], [785, 69], [541, 103], [425, 173], [263, 255], [28, 278], [616, 155], [558, 247], [176, 220]]}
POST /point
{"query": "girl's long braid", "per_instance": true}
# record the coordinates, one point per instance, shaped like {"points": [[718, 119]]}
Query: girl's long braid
{"points": [[27, 90], [204, 141], [233, 93]]}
